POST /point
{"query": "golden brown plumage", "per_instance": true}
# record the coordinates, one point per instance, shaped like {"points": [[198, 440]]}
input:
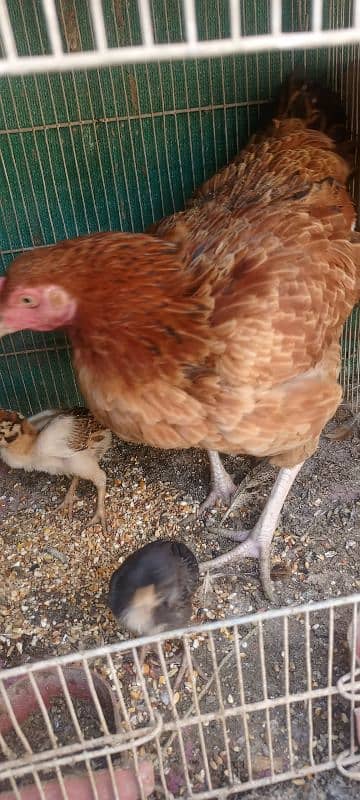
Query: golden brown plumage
{"points": [[60, 442], [221, 332]]}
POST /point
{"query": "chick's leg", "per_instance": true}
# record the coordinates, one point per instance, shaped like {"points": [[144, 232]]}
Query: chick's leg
{"points": [[99, 479], [257, 543], [68, 501], [222, 485], [89, 470]]}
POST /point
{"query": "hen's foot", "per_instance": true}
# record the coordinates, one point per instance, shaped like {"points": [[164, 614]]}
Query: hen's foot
{"points": [[222, 486], [257, 543]]}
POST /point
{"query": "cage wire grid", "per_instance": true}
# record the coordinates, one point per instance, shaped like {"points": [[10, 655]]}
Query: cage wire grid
{"points": [[120, 144], [300, 720]]}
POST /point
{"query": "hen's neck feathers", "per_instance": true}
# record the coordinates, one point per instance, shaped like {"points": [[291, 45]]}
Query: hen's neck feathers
{"points": [[148, 312]]}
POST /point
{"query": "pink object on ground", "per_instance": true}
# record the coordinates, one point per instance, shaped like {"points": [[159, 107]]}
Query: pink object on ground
{"points": [[79, 787], [23, 702]]}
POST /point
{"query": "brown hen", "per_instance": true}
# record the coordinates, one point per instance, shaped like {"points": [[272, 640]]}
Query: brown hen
{"points": [[221, 332]]}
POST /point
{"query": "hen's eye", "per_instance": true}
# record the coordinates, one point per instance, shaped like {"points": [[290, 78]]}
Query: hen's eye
{"points": [[29, 301]]}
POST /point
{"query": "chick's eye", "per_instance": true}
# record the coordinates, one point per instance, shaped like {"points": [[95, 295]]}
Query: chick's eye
{"points": [[29, 301]]}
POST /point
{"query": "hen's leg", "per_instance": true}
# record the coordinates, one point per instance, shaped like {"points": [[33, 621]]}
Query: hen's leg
{"points": [[222, 486], [257, 543], [68, 501]]}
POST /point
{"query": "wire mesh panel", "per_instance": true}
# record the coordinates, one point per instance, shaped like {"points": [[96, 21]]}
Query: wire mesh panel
{"points": [[273, 703], [150, 46], [118, 146]]}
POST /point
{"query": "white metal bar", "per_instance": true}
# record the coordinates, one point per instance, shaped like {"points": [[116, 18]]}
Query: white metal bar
{"points": [[190, 21], [168, 139], [163, 118], [177, 50], [235, 18], [330, 680], [287, 689], [125, 646], [176, 718], [221, 704], [6, 31], [356, 13], [146, 23], [265, 696], [204, 752], [49, 759], [98, 24], [52, 25], [119, 118], [129, 118], [276, 14], [309, 685], [245, 78], [316, 15]]}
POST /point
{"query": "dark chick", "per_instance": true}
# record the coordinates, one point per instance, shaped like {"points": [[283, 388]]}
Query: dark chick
{"points": [[152, 591]]}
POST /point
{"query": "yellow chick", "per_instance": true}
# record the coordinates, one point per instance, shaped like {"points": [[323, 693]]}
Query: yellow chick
{"points": [[60, 442]]}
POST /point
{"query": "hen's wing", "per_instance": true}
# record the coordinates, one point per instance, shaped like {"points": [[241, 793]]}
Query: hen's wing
{"points": [[284, 281]]}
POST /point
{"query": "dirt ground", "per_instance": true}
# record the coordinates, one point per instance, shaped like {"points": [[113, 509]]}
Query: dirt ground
{"points": [[55, 573]]}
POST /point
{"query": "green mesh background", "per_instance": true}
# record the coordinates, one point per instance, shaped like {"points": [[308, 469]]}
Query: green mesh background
{"points": [[115, 148]]}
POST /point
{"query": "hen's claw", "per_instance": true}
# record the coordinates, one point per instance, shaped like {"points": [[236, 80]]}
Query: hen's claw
{"points": [[257, 543], [217, 494], [222, 486], [240, 535]]}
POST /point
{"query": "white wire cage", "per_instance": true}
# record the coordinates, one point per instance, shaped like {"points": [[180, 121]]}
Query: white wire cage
{"points": [[279, 700], [318, 34]]}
